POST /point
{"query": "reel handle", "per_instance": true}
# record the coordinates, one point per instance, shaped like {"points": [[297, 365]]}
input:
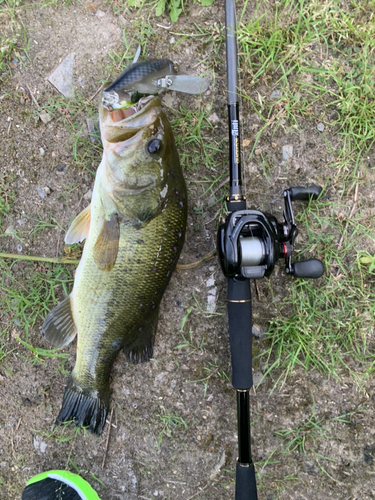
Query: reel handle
{"points": [[305, 193], [312, 268]]}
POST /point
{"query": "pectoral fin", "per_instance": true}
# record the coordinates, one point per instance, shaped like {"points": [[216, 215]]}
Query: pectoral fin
{"points": [[79, 228], [58, 327], [106, 246], [141, 349]]}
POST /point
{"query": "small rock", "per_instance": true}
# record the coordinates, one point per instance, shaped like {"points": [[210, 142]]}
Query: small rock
{"points": [[217, 467], [61, 168], [93, 130], [88, 195], [99, 13], [276, 94], [258, 151], [210, 282], [22, 221], [246, 143], [45, 117], [211, 299], [287, 152], [10, 230], [320, 127], [172, 40], [62, 77], [214, 118], [43, 192], [311, 468], [256, 331], [257, 378], [41, 151]]}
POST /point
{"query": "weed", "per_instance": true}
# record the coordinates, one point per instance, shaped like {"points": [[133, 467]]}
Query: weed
{"points": [[25, 295], [170, 422], [64, 433], [173, 7], [211, 370], [39, 355], [188, 340]]}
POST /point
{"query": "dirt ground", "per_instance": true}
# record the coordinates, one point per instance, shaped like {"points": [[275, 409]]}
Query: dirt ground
{"points": [[173, 432]]}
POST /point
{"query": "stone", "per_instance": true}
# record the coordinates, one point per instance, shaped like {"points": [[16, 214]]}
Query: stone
{"points": [[62, 77], [45, 117], [287, 152]]}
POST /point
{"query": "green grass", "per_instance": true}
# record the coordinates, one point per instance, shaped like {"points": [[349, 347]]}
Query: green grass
{"points": [[320, 58], [27, 294], [170, 422]]}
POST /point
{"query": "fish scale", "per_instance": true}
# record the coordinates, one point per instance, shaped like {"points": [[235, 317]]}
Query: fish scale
{"points": [[137, 222]]}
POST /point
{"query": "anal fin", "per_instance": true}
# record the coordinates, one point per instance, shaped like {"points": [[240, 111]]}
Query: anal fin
{"points": [[58, 327], [141, 349]]}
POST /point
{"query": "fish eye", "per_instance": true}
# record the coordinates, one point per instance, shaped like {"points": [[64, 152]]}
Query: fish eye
{"points": [[154, 146]]}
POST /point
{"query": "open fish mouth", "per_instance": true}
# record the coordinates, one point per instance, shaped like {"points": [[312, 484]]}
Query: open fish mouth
{"points": [[122, 124]]}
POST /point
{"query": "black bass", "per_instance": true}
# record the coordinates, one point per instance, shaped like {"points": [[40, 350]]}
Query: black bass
{"points": [[134, 230]]}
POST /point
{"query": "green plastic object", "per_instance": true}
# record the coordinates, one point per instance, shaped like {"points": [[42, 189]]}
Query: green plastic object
{"points": [[82, 487]]}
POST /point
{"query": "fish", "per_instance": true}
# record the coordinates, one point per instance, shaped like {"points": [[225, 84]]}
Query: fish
{"points": [[134, 229]]}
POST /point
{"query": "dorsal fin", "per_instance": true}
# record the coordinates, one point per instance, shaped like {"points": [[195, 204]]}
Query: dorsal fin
{"points": [[79, 228], [58, 327], [106, 246]]}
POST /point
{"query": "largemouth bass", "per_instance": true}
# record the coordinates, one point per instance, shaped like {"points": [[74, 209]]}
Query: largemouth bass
{"points": [[134, 230]]}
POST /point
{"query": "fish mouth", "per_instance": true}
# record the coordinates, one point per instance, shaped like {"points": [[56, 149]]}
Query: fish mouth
{"points": [[122, 124]]}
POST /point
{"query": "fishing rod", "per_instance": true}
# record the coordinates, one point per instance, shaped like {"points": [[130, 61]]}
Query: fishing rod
{"points": [[248, 244]]}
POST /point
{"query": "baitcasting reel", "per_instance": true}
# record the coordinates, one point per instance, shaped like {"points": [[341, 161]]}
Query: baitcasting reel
{"points": [[250, 242]]}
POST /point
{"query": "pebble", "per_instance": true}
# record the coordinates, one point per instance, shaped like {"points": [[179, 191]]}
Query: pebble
{"points": [[62, 77], [172, 40], [211, 299], [99, 13], [93, 129], [276, 94], [43, 192], [258, 151], [214, 118], [320, 127], [45, 117], [88, 195], [210, 282], [61, 168], [10, 230], [287, 152], [41, 151]]}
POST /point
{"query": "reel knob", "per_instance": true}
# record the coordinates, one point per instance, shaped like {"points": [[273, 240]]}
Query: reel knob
{"points": [[312, 268]]}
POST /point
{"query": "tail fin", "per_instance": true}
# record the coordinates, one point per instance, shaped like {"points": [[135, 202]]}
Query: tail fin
{"points": [[86, 407]]}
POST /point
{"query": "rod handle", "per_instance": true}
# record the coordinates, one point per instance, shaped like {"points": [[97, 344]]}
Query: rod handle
{"points": [[240, 332], [305, 193], [246, 488]]}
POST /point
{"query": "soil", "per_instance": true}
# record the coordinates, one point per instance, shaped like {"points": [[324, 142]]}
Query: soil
{"points": [[138, 456]]}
